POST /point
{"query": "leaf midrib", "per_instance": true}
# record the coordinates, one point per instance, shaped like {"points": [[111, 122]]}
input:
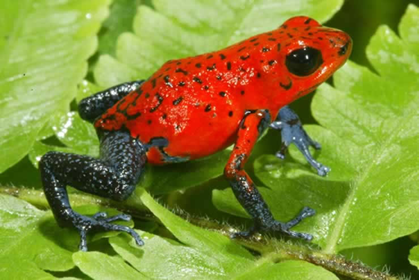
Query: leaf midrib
{"points": [[336, 234]]}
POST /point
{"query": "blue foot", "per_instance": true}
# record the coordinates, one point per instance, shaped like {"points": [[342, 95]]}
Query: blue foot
{"points": [[100, 223], [284, 228], [292, 132]]}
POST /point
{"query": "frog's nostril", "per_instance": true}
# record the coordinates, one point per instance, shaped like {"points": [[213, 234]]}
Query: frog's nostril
{"points": [[343, 49]]}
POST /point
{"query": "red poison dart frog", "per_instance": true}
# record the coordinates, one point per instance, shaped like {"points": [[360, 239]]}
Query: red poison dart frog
{"points": [[193, 107]]}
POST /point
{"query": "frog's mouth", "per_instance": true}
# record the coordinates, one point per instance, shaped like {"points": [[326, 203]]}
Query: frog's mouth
{"points": [[307, 91]]}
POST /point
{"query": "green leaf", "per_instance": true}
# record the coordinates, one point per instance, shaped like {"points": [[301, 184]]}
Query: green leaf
{"points": [[28, 241], [202, 254], [238, 20], [168, 259], [369, 133], [292, 270], [414, 256], [32, 243], [178, 29], [78, 135], [44, 46], [165, 179], [409, 29], [101, 266], [122, 13], [289, 189], [86, 89], [207, 241]]}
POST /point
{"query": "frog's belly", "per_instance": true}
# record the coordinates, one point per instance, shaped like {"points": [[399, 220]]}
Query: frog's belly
{"points": [[184, 148]]}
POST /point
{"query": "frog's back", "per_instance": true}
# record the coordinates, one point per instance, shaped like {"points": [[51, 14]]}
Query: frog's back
{"points": [[181, 102], [195, 103]]}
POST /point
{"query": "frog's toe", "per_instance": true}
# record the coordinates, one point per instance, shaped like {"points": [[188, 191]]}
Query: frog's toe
{"points": [[316, 145], [303, 147], [101, 223], [100, 215], [244, 234], [286, 227], [120, 217], [106, 226], [283, 228], [280, 155], [323, 170]]}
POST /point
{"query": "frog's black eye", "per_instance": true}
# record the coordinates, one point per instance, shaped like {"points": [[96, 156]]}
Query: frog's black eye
{"points": [[303, 62]]}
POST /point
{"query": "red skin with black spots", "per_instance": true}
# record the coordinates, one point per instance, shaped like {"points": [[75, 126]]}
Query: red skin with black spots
{"points": [[197, 103]]}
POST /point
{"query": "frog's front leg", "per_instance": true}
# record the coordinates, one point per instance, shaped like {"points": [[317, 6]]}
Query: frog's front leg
{"points": [[292, 131], [114, 175], [245, 191]]}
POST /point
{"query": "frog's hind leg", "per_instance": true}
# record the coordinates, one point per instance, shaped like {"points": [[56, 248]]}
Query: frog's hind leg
{"points": [[292, 131], [94, 106], [114, 175], [246, 192]]}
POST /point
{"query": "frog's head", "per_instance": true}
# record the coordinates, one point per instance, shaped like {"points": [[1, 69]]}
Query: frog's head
{"points": [[309, 54]]}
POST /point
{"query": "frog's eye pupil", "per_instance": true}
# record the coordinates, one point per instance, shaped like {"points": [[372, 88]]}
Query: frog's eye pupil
{"points": [[304, 61]]}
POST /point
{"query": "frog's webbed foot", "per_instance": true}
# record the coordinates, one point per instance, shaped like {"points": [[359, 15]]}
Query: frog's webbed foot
{"points": [[280, 227], [100, 222], [103, 216], [292, 131]]}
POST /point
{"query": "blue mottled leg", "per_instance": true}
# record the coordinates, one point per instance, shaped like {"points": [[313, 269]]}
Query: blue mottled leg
{"points": [[94, 106], [292, 132], [114, 175]]}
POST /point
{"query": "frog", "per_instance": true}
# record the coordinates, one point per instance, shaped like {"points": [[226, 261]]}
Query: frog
{"points": [[193, 107]]}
